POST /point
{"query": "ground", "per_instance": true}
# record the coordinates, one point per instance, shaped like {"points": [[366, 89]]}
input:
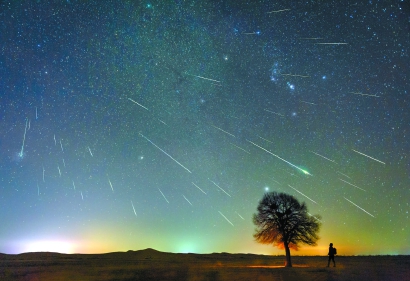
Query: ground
{"points": [[153, 265]]}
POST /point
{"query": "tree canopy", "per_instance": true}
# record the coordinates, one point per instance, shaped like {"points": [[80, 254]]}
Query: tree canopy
{"points": [[284, 222]]}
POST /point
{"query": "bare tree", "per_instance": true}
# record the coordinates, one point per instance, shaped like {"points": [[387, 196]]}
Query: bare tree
{"points": [[284, 222]]}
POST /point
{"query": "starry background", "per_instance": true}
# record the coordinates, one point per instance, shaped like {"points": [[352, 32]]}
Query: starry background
{"points": [[134, 124]]}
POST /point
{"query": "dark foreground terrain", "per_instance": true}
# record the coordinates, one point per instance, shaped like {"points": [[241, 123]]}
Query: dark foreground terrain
{"points": [[153, 265]]}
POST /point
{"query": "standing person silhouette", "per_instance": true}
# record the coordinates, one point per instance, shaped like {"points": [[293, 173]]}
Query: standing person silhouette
{"points": [[331, 254]]}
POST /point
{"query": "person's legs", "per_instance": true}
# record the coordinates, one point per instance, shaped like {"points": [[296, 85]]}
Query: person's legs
{"points": [[334, 263]]}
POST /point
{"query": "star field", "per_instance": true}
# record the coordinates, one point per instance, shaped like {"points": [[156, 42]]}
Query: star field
{"points": [[160, 124]]}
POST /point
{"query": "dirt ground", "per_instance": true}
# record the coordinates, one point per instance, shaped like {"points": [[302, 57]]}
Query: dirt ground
{"points": [[152, 265]]}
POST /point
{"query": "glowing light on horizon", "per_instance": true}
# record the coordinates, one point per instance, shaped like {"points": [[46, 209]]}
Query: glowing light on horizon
{"points": [[49, 246]]}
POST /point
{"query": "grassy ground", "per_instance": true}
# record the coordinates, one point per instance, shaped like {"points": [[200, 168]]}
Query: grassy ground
{"points": [[153, 265]]}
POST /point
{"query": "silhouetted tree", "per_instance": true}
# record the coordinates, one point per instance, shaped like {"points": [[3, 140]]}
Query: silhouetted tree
{"points": [[283, 221]]}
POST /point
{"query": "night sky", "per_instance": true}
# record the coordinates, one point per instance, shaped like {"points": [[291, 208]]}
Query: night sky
{"points": [[127, 125]]}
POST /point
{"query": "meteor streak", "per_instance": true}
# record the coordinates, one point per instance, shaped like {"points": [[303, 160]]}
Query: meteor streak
{"points": [[352, 184], [59, 171], [324, 157], [296, 75], [278, 11], [310, 38], [241, 148], [138, 104], [199, 188], [239, 215], [223, 130], [36, 113], [300, 169], [203, 77], [359, 93], [63, 162], [134, 209], [308, 102], [359, 207], [110, 184], [24, 139], [220, 188], [187, 200], [61, 144], [265, 139], [162, 122], [276, 181], [226, 218], [165, 153], [55, 141], [302, 194], [163, 195], [369, 157], [314, 217], [82, 197], [281, 115], [43, 174], [332, 43], [89, 149], [73, 185], [344, 174]]}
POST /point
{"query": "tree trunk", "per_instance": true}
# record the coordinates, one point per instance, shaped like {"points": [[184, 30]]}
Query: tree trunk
{"points": [[288, 262]]}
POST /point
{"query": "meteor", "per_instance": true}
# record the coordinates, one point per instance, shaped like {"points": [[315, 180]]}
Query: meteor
{"points": [[134, 209], [203, 77], [226, 218], [89, 149], [308, 102], [138, 103], [314, 217], [187, 200], [361, 94], [323, 157], [163, 195], [296, 75], [369, 157], [300, 169], [199, 188], [110, 184], [359, 207], [166, 153], [278, 11], [223, 131], [239, 215], [24, 139], [339, 43], [281, 115], [302, 194], [265, 139], [220, 188], [352, 184], [241, 148], [344, 175]]}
